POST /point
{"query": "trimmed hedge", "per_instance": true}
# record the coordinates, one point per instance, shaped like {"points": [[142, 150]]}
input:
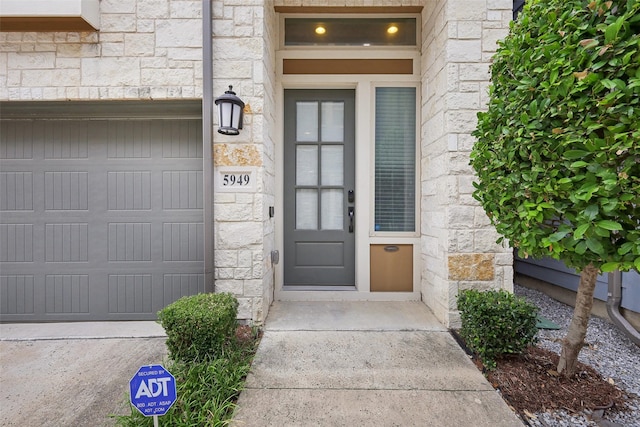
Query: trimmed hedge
{"points": [[199, 326], [495, 323]]}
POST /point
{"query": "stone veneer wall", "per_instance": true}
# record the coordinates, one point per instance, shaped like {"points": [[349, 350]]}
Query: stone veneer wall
{"points": [[244, 45], [145, 49], [458, 243]]}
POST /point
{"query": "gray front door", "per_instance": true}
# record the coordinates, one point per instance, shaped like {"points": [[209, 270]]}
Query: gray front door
{"points": [[319, 184]]}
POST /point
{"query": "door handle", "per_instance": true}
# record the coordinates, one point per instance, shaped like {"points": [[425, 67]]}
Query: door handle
{"points": [[351, 213]]}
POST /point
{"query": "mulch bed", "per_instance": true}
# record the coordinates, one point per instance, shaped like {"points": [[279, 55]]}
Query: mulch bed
{"points": [[530, 384]]}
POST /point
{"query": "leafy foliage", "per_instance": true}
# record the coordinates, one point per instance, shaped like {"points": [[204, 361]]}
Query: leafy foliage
{"points": [[199, 326], [206, 390], [495, 323], [558, 151]]}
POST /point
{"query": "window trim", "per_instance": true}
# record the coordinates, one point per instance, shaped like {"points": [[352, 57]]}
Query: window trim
{"points": [[372, 161]]}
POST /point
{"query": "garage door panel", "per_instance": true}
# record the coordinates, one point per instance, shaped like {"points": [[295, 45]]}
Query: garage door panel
{"points": [[67, 293], [101, 219], [183, 241], [67, 190], [16, 191], [129, 139], [130, 293], [177, 285], [64, 139], [66, 242], [16, 243], [129, 190], [17, 142], [182, 189], [130, 241], [180, 140], [17, 294]]}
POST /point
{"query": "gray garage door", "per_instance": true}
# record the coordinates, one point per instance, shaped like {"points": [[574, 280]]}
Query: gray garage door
{"points": [[99, 219]]}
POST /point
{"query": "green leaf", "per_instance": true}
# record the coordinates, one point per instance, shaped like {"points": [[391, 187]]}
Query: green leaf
{"points": [[591, 211], [580, 231], [575, 154], [594, 245], [609, 266], [609, 225]]}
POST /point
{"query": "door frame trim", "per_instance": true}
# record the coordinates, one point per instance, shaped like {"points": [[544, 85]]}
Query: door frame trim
{"points": [[364, 86]]}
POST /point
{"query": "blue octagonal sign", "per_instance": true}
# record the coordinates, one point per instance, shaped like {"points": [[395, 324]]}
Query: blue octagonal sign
{"points": [[152, 390]]}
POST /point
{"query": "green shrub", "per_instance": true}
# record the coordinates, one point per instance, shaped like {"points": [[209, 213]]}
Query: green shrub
{"points": [[199, 326], [207, 390], [495, 323]]}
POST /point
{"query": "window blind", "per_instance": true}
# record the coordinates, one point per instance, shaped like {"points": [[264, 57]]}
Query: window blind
{"points": [[395, 159]]}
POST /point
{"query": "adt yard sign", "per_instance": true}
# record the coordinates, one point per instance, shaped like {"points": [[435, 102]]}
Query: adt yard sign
{"points": [[152, 390]]}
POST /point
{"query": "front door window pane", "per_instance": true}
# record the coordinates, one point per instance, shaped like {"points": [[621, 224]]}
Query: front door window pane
{"points": [[332, 211], [306, 209], [307, 121], [332, 165], [307, 165], [332, 121]]}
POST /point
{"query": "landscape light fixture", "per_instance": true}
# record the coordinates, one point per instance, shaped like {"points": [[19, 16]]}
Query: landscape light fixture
{"points": [[230, 110]]}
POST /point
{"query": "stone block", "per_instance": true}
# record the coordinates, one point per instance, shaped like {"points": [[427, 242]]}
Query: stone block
{"points": [[475, 72], [460, 217], [225, 258], [490, 38], [185, 9], [117, 23], [31, 60], [466, 10], [166, 77], [234, 287], [236, 155], [193, 54], [139, 44], [102, 72], [462, 100], [179, 33], [469, 30], [245, 258], [253, 288], [239, 235], [464, 50], [471, 267], [245, 308], [153, 9], [117, 6]]}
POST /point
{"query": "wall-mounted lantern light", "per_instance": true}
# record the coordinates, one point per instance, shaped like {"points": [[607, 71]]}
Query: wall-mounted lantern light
{"points": [[230, 109]]}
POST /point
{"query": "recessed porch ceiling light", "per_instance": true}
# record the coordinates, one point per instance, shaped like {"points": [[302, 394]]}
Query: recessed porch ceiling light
{"points": [[320, 29], [392, 29]]}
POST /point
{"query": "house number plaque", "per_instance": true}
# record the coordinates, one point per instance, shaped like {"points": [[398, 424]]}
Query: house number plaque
{"points": [[233, 179]]}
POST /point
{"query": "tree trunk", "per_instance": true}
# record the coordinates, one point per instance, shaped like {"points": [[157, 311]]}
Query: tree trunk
{"points": [[574, 341]]}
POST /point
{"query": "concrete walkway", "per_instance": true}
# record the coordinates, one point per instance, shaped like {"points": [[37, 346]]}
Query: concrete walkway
{"points": [[364, 364], [72, 374]]}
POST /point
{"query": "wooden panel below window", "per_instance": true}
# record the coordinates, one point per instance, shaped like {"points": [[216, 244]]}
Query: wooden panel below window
{"points": [[348, 66], [391, 268]]}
